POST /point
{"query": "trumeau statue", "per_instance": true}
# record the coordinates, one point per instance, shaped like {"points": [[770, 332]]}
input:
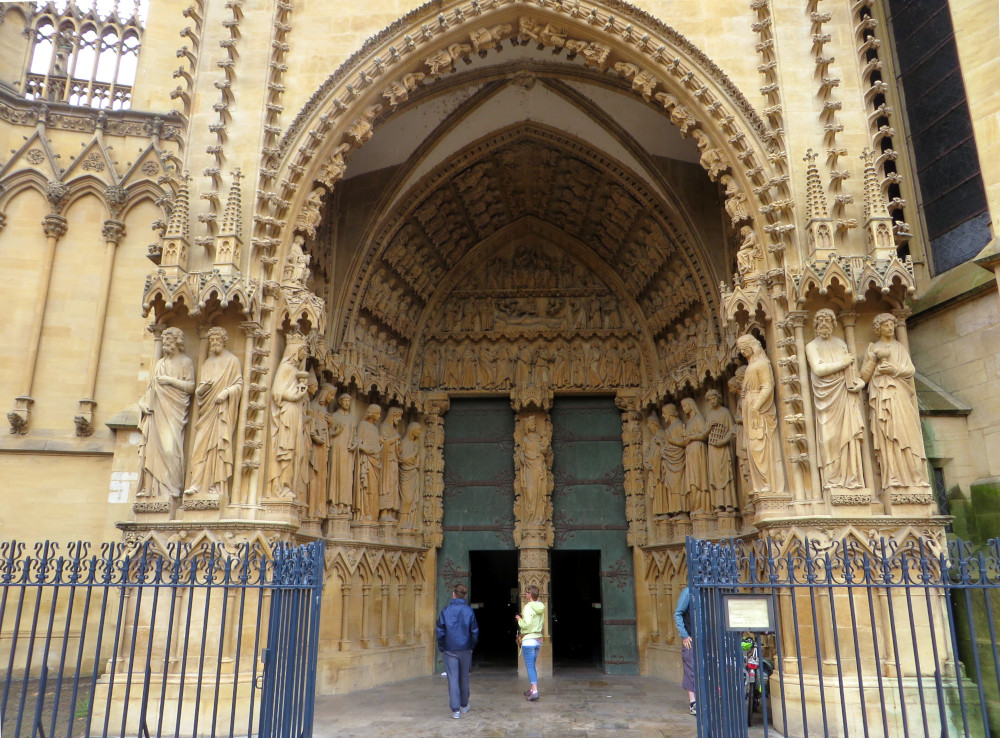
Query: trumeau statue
{"points": [[164, 415], [721, 430], [532, 460], [760, 420], [672, 467], [696, 457], [367, 450], [288, 456], [388, 497], [895, 422], [410, 467], [218, 393], [342, 458], [836, 390], [652, 459]]}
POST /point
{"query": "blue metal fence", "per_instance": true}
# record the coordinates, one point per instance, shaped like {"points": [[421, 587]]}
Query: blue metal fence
{"points": [[119, 640], [868, 639]]}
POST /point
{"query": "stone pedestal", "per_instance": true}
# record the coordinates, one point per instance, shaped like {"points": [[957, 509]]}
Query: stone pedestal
{"points": [[366, 531], [339, 526]]}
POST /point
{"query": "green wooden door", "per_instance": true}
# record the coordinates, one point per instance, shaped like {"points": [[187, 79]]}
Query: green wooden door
{"points": [[589, 514], [478, 493]]}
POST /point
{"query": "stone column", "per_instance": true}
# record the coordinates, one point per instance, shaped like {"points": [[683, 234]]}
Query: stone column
{"points": [[54, 226], [798, 319], [252, 376], [113, 231], [635, 500], [436, 406]]}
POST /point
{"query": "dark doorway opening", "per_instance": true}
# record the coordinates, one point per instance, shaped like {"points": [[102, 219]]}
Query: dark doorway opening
{"points": [[576, 609], [494, 597]]}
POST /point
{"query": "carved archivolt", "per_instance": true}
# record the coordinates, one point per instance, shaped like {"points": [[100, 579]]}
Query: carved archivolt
{"points": [[701, 100]]}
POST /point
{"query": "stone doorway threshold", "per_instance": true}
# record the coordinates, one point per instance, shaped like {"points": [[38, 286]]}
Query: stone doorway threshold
{"points": [[575, 702]]}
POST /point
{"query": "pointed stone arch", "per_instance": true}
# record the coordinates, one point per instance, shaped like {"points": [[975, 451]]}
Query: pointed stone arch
{"points": [[663, 67]]}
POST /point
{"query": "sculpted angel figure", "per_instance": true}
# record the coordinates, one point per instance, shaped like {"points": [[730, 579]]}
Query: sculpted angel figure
{"points": [[164, 415], [218, 393], [836, 390], [895, 421]]}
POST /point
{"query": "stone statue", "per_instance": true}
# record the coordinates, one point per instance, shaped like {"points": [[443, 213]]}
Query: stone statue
{"points": [[218, 393], [746, 257], [736, 202], [310, 217], [367, 450], [320, 423], [388, 494], [410, 467], [532, 460], [652, 456], [760, 420], [695, 457], [342, 458], [836, 390], [672, 468], [296, 270], [736, 388], [895, 422], [287, 458], [164, 414], [721, 430]]}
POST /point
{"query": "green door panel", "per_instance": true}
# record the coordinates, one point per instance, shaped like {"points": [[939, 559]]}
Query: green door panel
{"points": [[589, 513]]}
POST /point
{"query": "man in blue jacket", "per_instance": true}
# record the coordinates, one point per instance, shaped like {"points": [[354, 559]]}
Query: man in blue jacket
{"points": [[457, 635]]}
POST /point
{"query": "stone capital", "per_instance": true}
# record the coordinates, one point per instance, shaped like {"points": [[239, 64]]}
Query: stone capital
{"points": [[798, 318], [113, 230], [54, 226]]}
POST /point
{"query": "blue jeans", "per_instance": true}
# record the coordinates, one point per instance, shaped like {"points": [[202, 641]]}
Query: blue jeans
{"points": [[530, 655], [457, 664]]}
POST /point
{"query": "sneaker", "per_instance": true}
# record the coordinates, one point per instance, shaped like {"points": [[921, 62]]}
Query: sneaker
{"points": [[693, 708], [456, 714], [465, 709], [532, 696]]}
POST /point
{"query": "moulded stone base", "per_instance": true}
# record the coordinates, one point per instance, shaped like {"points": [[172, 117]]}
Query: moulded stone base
{"points": [[111, 705], [887, 708]]}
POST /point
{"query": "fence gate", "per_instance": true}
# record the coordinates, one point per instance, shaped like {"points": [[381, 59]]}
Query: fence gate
{"points": [[868, 638], [182, 640]]}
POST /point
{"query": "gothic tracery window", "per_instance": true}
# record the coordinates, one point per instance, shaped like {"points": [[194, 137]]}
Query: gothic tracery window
{"points": [[84, 56]]}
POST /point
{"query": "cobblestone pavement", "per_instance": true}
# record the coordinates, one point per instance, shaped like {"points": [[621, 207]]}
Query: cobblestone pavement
{"points": [[574, 703]]}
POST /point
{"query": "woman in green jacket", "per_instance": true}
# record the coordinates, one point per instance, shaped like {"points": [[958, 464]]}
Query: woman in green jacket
{"points": [[530, 621]]}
